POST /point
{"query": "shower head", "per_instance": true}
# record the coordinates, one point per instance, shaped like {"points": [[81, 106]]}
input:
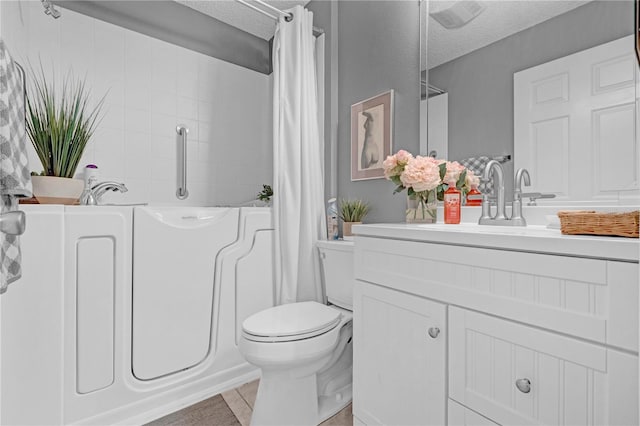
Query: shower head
{"points": [[50, 9]]}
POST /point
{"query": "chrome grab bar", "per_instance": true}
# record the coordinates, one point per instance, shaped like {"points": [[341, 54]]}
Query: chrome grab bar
{"points": [[182, 191], [13, 223]]}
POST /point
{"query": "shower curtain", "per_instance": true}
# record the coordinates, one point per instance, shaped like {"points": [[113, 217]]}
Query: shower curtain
{"points": [[298, 161]]}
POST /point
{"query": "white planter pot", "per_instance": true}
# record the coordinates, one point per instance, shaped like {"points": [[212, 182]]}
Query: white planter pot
{"points": [[57, 190]]}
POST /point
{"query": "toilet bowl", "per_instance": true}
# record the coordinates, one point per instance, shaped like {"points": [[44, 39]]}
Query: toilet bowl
{"points": [[304, 349]]}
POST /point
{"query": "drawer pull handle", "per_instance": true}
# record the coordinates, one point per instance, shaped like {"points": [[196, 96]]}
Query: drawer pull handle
{"points": [[434, 332], [523, 385]]}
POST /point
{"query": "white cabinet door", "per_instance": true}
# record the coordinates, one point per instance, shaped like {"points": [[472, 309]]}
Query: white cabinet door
{"points": [[574, 124], [399, 357], [515, 374]]}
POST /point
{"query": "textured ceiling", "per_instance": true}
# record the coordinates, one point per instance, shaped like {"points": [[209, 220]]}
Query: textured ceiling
{"points": [[241, 16], [500, 19]]}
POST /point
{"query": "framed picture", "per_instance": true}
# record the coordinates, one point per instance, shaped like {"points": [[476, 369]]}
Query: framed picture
{"points": [[371, 130]]}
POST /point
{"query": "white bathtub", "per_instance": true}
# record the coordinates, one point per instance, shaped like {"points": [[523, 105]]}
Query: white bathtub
{"points": [[125, 314]]}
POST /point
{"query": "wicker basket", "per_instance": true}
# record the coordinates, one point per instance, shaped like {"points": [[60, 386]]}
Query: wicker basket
{"points": [[593, 223]]}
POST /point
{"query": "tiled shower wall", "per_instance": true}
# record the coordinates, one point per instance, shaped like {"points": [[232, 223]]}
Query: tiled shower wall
{"points": [[153, 86]]}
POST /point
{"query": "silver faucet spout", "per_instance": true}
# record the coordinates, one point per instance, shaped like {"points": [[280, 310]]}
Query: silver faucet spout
{"points": [[91, 197], [494, 170], [520, 175], [102, 187], [516, 212]]}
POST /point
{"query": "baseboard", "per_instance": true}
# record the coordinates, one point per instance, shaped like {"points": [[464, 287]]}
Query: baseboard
{"points": [[131, 415]]}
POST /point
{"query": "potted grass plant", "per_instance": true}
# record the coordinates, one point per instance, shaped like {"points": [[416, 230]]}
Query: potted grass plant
{"points": [[352, 212], [59, 124]]}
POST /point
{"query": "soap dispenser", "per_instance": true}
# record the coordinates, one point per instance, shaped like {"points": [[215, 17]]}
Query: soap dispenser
{"points": [[452, 198]]}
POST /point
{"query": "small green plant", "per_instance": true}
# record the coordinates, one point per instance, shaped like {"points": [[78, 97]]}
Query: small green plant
{"points": [[266, 193], [353, 210], [60, 124]]}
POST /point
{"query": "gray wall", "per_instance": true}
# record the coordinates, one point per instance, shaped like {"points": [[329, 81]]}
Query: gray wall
{"points": [[325, 15], [480, 84], [378, 50]]}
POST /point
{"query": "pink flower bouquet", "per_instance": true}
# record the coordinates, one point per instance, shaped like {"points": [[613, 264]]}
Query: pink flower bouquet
{"points": [[426, 179]]}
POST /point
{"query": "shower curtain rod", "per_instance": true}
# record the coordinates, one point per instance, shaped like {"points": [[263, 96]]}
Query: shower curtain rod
{"points": [[288, 15]]}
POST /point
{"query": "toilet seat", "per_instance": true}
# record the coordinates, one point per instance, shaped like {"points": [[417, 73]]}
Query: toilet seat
{"points": [[291, 322]]}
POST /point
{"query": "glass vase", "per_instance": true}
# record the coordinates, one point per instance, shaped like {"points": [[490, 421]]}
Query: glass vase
{"points": [[422, 207]]}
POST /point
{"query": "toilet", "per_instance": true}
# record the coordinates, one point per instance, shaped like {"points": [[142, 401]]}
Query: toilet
{"points": [[304, 349]]}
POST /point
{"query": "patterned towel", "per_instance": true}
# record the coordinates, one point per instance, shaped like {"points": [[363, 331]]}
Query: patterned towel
{"points": [[15, 180], [477, 165]]}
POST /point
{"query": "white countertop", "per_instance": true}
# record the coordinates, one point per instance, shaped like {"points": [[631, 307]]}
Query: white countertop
{"points": [[532, 238]]}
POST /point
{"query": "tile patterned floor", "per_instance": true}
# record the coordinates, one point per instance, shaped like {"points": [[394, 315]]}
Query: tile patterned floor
{"points": [[233, 408], [212, 411]]}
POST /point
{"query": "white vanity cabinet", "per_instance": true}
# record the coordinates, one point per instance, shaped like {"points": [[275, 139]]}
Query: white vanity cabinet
{"points": [[525, 338], [516, 374], [401, 353]]}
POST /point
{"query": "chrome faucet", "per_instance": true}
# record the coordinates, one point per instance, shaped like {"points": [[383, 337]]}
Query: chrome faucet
{"points": [[516, 209], [494, 170], [91, 197]]}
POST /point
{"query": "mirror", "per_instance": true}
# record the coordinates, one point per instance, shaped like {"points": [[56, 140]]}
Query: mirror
{"points": [[508, 79]]}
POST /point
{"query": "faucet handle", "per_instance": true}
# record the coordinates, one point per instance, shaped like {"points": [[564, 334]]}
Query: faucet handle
{"points": [[533, 196]]}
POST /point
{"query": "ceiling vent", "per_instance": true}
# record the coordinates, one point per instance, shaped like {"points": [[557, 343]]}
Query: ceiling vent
{"points": [[456, 14]]}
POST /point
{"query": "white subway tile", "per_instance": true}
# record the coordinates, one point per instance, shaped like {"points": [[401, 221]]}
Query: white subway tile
{"points": [[193, 153], [205, 133], [163, 191], [187, 84], [163, 102], [113, 116], [163, 125], [110, 165], [205, 152], [106, 139], [163, 147], [163, 169], [136, 167], [137, 95], [137, 144], [206, 111], [187, 107], [138, 120], [205, 172]]}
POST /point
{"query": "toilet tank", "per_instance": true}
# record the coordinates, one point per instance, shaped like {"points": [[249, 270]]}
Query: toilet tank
{"points": [[336, 258]]}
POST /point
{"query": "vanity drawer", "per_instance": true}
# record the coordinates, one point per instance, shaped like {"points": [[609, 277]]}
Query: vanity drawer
{"points": [[459, 415], [515, 374], [588, 298]]}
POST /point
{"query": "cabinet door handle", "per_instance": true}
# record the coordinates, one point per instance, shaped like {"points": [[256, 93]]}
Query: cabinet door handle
{"points": [[523, 385], [434, 332]]}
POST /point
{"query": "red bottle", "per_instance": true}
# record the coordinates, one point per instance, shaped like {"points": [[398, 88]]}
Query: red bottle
{"points": [[474, 191], [452, 199]]}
